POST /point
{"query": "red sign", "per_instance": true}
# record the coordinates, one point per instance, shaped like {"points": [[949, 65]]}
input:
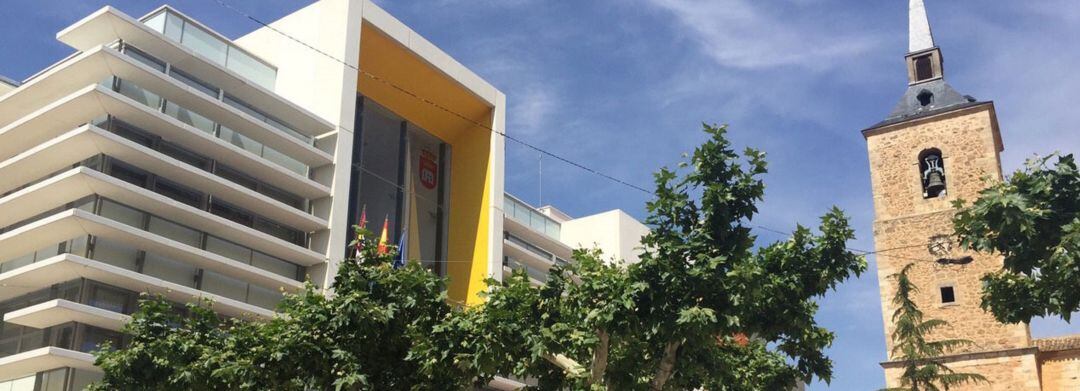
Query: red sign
{"points": [[428, 170]]}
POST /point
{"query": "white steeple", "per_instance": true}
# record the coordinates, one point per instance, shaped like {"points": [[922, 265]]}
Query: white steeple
{"points": [[920, 37]]}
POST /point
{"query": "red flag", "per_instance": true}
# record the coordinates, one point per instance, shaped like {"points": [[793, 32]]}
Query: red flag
{"points": [[362, 224], [383, 237]]}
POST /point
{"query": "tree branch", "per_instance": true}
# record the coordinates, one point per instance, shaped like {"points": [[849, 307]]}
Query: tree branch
{"points": [[600, 357], [568, 365], [667, 366]]}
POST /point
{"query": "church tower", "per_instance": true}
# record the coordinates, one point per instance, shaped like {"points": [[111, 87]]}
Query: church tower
{"points": [[937, 146]]}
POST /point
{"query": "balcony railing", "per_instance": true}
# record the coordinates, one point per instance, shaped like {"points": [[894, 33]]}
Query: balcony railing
{"points": [[212, 46], [525, 214]]}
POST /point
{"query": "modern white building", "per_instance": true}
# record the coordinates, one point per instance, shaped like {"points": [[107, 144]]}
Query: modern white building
{"points": [[536, 239], [162, 157]]}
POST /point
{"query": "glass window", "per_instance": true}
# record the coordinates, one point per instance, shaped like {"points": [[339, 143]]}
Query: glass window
{"points": [[279, 231], [241, 141], [228, 249], [285, 161], [178, 192], [283, 196], [274, 265], [264, 297], [232, 213], [20, 384], [123, 214], [145, 59], [51, 380], [175, 231], [381, 163], [223, 285], [195, 83], [131, 133], [95, 338], [170, 270], [115, 253], [181, 154], [140, 95], [110, 298], [81, 379], [189, 117], [15, 263], [129, 174], [235, 176], [204, 43]]}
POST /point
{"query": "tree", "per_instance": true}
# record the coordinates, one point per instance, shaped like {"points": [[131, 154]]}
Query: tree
{"points": [[1033, 220], [672, 320], [924, 370], [679, 319], [359, 337]]}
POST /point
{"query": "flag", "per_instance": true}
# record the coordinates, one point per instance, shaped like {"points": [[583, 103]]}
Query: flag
{"points": [[383, 235], [400, 261], [362, 223]]}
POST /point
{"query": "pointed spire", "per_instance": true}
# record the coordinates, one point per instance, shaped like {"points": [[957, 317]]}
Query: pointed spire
{"points": [[920, 37]]}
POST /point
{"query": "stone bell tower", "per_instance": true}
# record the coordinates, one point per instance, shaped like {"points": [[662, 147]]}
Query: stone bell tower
{"points": [[934, 147]]}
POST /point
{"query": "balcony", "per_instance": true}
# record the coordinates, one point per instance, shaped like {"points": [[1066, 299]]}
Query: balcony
{"points": [[88, 141], [67, 267], [59, 311], [108, 25], [95, 101]]}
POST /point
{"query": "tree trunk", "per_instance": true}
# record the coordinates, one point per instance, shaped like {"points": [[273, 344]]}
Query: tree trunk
{"points": [[600, 358], [667, 366]]}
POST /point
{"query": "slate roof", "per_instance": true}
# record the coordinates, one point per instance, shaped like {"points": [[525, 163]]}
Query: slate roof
{"points": [[1058, 344], [943, 98]]}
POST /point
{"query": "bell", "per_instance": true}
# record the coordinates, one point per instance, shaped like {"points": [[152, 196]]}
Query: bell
{"points": [[934, 182]]}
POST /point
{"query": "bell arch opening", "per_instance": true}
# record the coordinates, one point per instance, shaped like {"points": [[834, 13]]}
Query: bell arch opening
{"points": [[932, 173]]}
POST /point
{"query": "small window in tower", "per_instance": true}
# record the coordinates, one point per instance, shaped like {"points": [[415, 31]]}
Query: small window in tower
{"points": [[924, 68], [948, 296], [932, 173], [925, 97]]}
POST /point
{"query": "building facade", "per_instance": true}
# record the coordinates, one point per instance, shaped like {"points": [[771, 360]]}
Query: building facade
{"points": [[935, 147], [536, 239], [162, 157]]}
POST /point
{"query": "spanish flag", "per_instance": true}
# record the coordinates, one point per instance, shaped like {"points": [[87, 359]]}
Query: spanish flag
{"points": [[383, 236]]}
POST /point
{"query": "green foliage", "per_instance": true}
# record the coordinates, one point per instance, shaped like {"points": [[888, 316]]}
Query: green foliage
{"points": [[667, 322], [359, 337], [1033, 221], [676, 320], [923, 369]]}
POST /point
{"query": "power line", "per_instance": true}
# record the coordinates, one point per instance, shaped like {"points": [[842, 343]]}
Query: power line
{"points": [[435, 104], [489, 128]]}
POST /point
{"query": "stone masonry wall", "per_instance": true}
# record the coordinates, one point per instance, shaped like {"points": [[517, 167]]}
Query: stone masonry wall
{"points": [[1007, 371], [905, 222], [1060, 371]]}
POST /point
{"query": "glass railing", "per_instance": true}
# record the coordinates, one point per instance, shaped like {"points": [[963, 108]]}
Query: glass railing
{"points": [[127, 257], [199, 161], [538, 274], [212, 47], [213, 92], [198, 239], [197, 121], [525, 214]]}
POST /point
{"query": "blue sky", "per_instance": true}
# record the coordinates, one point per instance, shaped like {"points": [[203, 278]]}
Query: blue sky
{"points": [[623, 86]]}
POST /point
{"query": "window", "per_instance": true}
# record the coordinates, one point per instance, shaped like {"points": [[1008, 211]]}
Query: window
{"points": [[932, 173], [178, 192], [947, 295], [924, 68], [193, 82]]}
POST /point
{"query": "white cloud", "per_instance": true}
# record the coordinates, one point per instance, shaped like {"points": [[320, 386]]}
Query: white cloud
{"points": [[752, 35]]}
